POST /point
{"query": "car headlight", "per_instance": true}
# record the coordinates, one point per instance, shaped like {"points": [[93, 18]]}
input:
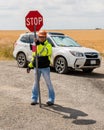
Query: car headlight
{"points": [[77, 54]]}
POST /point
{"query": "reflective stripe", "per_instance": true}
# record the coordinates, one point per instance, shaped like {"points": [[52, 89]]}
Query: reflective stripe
{"points": [[42, 50]]}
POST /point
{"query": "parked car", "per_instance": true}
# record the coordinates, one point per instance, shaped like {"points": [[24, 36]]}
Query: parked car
{"points": [[67, 53]]}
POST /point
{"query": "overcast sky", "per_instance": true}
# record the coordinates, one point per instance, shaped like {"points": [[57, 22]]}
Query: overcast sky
{"points": [[57, 14]]}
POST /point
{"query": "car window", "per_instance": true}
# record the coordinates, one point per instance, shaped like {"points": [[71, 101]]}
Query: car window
{"points": [[65, 41], [27, 39], [31, 38], [50, 41]]}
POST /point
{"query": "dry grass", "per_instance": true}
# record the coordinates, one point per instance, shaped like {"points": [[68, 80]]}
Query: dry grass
{"points": [[89, 38], [7, 40]]}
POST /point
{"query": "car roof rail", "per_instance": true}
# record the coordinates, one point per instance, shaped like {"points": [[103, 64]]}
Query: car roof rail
{"points": [[55, 33]]}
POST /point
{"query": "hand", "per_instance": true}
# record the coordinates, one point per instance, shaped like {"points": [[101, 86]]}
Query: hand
{"points": [[28, 70], [37, 41]]}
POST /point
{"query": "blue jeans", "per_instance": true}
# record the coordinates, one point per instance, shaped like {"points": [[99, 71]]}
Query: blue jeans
{"points": [[46, 74]]}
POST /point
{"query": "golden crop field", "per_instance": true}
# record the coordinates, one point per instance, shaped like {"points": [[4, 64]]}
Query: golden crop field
{"points": [[89, 38]]}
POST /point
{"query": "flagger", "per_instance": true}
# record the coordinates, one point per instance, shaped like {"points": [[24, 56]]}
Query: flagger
{"points": [[44, 52]]}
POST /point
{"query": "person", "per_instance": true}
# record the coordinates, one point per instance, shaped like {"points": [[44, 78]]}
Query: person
{"points": [[44, 51]]}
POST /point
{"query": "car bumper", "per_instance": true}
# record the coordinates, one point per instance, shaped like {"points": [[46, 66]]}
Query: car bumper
{"points": [[86, 63], [14, 54]]}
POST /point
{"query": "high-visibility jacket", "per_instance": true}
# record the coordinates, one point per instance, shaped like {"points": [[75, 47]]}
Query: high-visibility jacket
{"points": [[44, 52]]}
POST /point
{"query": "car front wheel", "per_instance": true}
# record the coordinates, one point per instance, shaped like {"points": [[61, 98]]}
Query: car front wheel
{"points": [[61, 65], [21, 60]]}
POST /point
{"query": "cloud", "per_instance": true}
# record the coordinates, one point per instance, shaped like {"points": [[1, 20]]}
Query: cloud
{"points": [[57, 13]]}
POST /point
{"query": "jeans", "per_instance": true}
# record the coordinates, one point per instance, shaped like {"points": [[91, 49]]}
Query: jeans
{"points": [[46, 75]]}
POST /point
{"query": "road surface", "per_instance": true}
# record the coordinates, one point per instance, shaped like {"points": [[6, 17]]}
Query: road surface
{"points": [[79, 103]]}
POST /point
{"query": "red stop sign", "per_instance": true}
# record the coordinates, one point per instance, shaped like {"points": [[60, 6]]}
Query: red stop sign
{"points": [[34, 19]]}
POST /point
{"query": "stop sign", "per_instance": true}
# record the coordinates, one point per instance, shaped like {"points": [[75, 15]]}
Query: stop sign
{"points": [[34, 19]]}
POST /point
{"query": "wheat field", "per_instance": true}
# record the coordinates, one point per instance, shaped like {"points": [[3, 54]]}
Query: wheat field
{"points": [[89, 38]]}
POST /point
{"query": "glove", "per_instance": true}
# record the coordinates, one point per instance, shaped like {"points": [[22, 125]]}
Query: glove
{"points": [[28, 70], [37, 42]]}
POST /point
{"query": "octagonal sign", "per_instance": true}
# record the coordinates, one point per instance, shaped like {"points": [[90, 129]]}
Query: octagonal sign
{"points": [[34, 20]]}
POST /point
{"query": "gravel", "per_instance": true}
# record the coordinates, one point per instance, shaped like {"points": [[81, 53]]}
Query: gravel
{"points": [[79, 103]]}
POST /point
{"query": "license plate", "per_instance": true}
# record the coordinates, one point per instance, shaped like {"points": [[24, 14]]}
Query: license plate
{"points": [[93, 62]]}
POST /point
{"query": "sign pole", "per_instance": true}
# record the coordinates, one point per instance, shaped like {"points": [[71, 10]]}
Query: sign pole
{"points": [[34, 21], [37, 78]]}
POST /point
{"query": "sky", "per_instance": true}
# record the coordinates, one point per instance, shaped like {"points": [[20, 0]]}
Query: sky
{"points": [[57, 14]]}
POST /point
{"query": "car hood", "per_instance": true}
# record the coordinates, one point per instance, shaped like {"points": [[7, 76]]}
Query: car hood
{"points": [[79, 49]]}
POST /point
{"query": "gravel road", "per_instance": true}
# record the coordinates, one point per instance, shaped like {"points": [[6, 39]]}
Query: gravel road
{"points": [[79, 101]]}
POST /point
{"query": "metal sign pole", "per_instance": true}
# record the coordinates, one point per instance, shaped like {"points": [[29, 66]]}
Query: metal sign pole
{"points": [[37, 78]]}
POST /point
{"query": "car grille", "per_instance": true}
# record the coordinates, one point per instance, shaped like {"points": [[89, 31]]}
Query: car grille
{"points": [[91, 55], [88, 62]]}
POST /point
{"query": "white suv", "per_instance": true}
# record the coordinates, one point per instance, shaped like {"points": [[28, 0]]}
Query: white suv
{"points": [[66, 53]]}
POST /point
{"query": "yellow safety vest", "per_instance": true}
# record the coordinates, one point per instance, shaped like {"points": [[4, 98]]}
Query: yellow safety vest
{"points": [[42, 50]]}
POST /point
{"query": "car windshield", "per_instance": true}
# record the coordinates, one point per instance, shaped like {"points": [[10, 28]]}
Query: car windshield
{"points": [[65, 41]]}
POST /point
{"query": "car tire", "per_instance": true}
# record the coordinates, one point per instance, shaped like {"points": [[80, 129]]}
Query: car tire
{"points": [[61, 65], [87, 70], [21, 60]]}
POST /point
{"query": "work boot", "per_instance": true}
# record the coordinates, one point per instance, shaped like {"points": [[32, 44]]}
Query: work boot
{"points": [[49, 103], [34, 103]]}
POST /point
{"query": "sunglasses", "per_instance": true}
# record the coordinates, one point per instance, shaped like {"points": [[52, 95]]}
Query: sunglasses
{"points": [[42, 37]]}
